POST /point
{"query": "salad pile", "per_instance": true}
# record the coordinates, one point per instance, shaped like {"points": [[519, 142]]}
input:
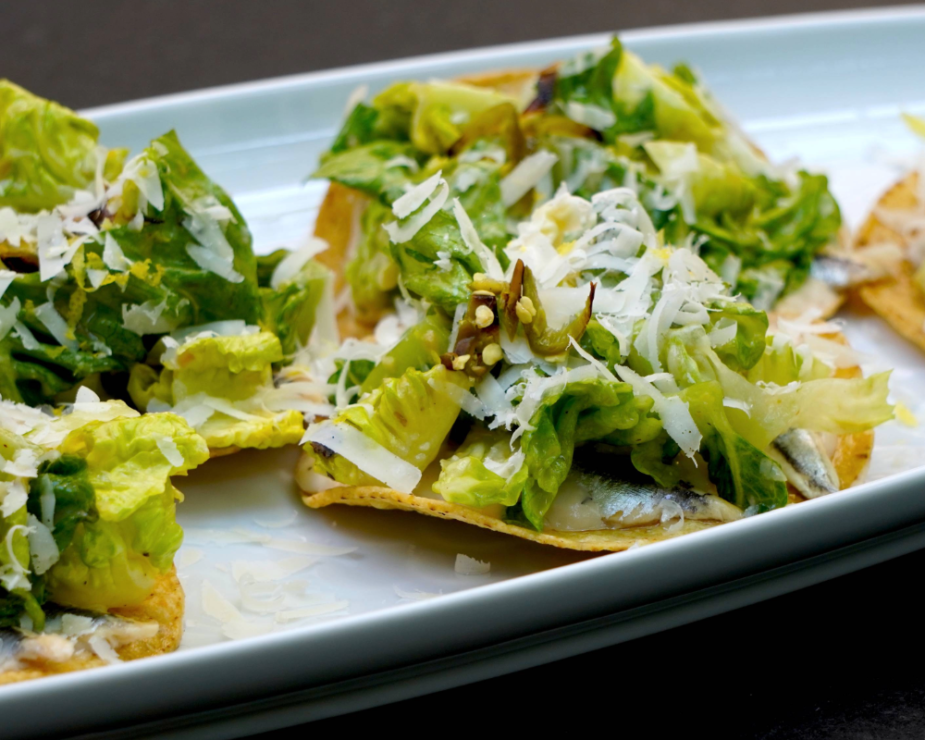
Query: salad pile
{"points": [[87, 506], [602, 120], [132, 280], [558, 292], [587, 331]]}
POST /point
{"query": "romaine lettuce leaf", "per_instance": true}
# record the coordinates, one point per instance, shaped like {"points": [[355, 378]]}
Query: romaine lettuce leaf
{"points": [[746, 349], [410, 416], [417, 262], [379, 169], [825, 404], [227, 377], [67, 480], [715, 187], [678, 110], [19, 599], [727, 191], [777, 240], [114, 507], [420, 348], [464, 478], [101, 326], [577, 413], [47, 151], [115, 563], [232, 367], [372, 273], [742, 473], [130, 460], [109, 503], [289, 310], [781, 364], [443, 109], [478, 187]]}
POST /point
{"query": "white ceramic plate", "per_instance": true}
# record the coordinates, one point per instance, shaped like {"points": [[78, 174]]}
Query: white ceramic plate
{"points": [[826, 88]]}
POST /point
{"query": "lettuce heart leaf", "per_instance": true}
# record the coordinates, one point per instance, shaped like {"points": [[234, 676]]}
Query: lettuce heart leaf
{"points": [[47, 151], [466, 480], [378, 169], [580, 412], [126, 459], [115, 563], [372, 273], [410, 416], [289, 310], [742, 473], [102, 325], [420, 273], [228, 377]]}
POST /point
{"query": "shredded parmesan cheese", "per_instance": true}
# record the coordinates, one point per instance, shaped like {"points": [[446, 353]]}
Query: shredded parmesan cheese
{"points": [[467, 566], [369, 456]]}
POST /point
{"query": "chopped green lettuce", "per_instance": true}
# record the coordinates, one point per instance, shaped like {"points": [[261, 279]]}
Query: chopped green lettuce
{"points": [[71, 328], [417, 262], [117, 548], [823, 404], [576, 413], [16, 597], [47, 151], [372, 273], [465, 479], [379, 169], [727, 191], [289, 310], [747, 348], [105, 495], [419, 348], [229, 378], [442, 110], [409, 415], [742, 474], [126, 461]]}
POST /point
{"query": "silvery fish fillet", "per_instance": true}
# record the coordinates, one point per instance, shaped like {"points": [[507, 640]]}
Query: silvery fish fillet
{"points": [[592, 500], [805, 463], [840, 272], [634, 504]]}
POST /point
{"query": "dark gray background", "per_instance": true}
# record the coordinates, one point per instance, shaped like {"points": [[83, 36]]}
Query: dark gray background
{"points": [[89, 52], [840, 660]]}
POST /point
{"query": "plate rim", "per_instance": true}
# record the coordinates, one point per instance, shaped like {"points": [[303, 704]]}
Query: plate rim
{"points": [[773, 23]]}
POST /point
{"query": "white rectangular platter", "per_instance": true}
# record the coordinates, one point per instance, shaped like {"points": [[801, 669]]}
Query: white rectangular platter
{"points": [[373, 609]]}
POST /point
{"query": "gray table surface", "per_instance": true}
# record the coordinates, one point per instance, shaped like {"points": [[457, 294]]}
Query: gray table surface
{"points": [[839, 660]]}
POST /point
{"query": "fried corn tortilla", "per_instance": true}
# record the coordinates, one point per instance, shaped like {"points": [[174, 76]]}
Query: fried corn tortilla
{"points": [[51, 654], [850, 458], [338, 223], [896, 298], [852, 454]]}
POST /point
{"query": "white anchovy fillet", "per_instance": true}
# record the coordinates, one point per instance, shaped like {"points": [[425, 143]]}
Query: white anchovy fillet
{"points": [[840, 272], [591, 501], [805, 463]]}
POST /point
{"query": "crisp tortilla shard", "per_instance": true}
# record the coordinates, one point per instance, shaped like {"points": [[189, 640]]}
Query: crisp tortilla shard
{"points": [[604, 540], [164, 606], [897, 298], [850, 458]]}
